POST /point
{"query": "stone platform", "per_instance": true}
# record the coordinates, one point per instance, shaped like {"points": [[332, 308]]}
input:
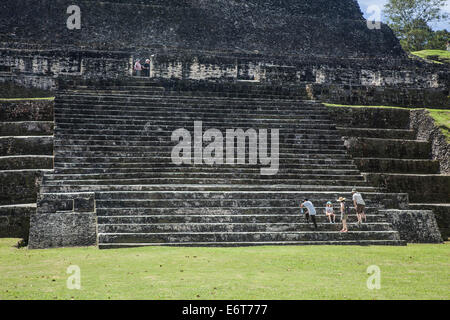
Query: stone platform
{"points": [[114, 183]]}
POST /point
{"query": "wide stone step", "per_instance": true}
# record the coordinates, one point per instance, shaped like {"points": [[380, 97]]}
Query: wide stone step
{"points": [[145, 112], [226, 182], [207, 108], [307, 174], [274, 216], [217, 197], [162, 131], [158, 137], [26, 162], [204, 94], [10, 146], [388, 148], [285, 151], [242, 215], [182, 121], [181, 99], [26, 128], [204, 171], [152, 143], [233, 227], [380, 165], [138, 167], [158, 93], [117, 89], [125, 200], [420, 187], [308, 185], [142, 88], [101, 128], [261, 243], [245, 236], [285, 137], [378, 133], [166, 155], [68, 162]]}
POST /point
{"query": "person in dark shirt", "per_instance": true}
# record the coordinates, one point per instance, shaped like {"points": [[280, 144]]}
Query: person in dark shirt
{"points": [[146, 68]]}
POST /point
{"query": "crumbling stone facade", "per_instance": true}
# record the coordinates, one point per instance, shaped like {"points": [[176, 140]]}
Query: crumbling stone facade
{"points": [[323, 43]]}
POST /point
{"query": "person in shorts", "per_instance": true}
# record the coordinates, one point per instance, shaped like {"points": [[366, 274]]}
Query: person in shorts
{"points": [[329, 212], [360, 206], [344, 213]]}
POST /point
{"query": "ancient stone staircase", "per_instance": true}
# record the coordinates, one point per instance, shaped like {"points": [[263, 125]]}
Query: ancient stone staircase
{"points": [[115, 142], [392, 158]]}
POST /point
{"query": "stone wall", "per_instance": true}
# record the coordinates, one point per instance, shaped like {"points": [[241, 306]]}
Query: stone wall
{"points": [[426, 128], [63, 220], [391, 95], [380, 118], [31, 110], [414, 226], [15, 221], [422, 188]]}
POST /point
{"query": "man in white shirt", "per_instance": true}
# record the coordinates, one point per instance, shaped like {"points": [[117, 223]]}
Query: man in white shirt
{"points": [[360, 206], [311, 211]]}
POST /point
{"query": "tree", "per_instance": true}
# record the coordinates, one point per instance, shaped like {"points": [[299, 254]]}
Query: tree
{"points": [[410, 19], [439, 40]]}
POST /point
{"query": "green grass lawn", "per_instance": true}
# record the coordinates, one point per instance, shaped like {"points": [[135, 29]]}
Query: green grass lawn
{"points": [[312, 272], [440, 116], [441, 55]]}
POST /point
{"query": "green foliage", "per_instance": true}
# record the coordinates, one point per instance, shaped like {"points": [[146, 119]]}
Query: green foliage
{"points": [[290, 272], [439, 40], [410, 19]]}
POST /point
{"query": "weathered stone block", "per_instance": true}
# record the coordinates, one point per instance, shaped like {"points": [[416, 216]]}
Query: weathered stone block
{"points": [[19, 186], [421, 188], [15, 221], [64, 220], [388, 148], [84, 204], [397, 165], [441, 213], [381, 118], [27, 111], [414, 226], [62, 229]]}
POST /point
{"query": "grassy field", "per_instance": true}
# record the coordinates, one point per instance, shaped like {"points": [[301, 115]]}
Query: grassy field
{"points": [[314, 272], [438, 56], [440, 116]]}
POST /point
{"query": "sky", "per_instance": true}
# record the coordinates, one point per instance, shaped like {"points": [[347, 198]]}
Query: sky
{"points": [[364, 4]]}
